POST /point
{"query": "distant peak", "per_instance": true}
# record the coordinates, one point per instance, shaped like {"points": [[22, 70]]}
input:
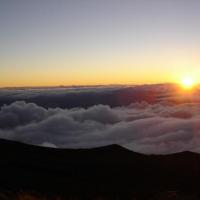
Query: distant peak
{"points": [[112, 147]]}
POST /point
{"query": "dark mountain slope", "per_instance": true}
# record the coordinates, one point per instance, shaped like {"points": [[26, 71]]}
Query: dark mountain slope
{"points": [[109, 171]]}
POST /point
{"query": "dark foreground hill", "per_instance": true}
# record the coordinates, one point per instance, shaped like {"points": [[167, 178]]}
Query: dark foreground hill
{"points": [[110, 172]]}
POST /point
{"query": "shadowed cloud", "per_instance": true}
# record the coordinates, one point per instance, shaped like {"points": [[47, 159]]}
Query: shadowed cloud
{"points": [[143, 127]]}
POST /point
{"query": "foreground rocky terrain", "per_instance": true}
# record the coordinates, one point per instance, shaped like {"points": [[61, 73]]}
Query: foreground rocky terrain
{"points": [[110, 172]]}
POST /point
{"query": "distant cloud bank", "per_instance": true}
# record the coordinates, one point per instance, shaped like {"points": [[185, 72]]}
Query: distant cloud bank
{"points": [[149, 119], [88, 96], [141, 126]]}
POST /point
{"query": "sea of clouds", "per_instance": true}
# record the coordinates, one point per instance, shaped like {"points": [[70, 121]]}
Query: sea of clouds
{"points": [[152, 128]]}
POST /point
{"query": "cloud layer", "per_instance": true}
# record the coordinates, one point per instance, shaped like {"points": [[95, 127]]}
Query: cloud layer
{"points": [[143, 127], [67, 97]]}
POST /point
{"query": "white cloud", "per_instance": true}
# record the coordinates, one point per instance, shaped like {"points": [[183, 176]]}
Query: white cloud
{"points": [[142, 127]]}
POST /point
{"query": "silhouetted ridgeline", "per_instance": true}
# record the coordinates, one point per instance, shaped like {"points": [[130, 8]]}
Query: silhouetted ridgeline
{"points": [[110, 172]]}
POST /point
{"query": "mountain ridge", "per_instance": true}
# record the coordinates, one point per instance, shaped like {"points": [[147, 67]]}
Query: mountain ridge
{"points": [[110, 170], [105, 147]]}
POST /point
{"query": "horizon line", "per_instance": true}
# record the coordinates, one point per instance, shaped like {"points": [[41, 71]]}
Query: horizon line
{"points": [[86, 85]]}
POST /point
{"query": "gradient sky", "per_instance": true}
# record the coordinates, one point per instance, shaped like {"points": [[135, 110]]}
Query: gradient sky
{"points": [[80, 42]]}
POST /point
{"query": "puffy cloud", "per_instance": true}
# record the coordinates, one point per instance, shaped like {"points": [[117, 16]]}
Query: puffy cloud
{"points": [[20, 113], [143, 127], [47, 144]]}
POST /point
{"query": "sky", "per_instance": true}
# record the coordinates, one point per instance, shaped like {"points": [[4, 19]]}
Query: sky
{"points": [[91, 42]]}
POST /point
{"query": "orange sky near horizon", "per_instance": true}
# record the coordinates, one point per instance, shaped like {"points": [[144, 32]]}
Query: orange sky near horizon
{"points": [[121, 70], [44, 43]]}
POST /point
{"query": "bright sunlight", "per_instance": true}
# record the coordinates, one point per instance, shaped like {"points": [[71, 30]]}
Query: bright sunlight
{"points": [[188, 83]]}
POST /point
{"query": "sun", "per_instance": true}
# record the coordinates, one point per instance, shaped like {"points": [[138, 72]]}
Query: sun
{"points": [[188, 83]]}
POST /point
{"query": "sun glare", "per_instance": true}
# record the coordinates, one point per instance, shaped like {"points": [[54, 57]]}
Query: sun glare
{"points": [[188, 83]]}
